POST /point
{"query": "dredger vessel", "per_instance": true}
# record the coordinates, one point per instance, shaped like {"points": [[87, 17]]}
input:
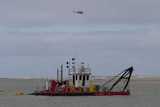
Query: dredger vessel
{"points": [[80, 83]]}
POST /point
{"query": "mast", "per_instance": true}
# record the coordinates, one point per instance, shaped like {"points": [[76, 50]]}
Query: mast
{"points": [[57, 75]]}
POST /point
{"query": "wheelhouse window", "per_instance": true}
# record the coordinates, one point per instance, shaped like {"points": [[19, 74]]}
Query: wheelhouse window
{"points": [[80, 77], [87, 77]]}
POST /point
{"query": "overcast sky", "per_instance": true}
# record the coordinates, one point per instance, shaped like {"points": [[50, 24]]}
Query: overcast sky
{"points": [[37, 36]]}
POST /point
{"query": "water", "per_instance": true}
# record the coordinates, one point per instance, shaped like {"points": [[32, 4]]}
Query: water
{"points": [[143, 94]]}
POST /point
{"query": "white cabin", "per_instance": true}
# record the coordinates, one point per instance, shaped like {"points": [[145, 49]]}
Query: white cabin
{"points": [[79, 77]]}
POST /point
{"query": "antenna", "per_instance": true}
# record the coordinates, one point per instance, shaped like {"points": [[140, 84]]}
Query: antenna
{"points": [[75, 53], [74, 65]]}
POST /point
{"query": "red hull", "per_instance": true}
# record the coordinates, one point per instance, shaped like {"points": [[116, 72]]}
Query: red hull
{"points": [[108, 93], [118, 93]]}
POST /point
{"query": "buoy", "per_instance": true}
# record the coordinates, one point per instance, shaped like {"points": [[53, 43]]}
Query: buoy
{"points": [[2, 90], [17, 93]]}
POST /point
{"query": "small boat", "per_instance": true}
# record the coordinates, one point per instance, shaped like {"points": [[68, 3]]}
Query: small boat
{"points": [[80, 83]]}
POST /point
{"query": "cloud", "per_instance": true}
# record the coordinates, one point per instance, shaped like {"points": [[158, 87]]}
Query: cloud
{"points": [[33, 13], [34, 35]]}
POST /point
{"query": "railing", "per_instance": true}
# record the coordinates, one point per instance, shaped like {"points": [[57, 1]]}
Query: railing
{"points": [[79, 71]]}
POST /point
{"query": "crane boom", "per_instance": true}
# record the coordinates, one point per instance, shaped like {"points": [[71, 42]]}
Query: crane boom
{"points": [[125, 75]]}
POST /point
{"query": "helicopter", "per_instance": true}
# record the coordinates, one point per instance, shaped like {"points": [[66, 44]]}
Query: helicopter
{"points": [[79, 12]]}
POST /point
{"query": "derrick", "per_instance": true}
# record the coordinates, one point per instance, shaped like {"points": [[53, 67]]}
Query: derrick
{"points": [[124, 75]]}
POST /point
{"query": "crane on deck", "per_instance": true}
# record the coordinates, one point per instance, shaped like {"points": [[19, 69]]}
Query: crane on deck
{"points": [[124, 75]]}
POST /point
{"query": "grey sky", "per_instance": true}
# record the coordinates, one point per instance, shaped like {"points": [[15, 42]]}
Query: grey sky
{"points": [[36, 36]]}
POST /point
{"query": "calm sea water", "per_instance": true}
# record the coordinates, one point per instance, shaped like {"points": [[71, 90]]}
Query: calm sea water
{"points": [[143, 94]]}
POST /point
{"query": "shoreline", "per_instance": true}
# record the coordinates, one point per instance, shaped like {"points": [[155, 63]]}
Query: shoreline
{"points": [[132, 79], [93, 78], [145, 79]]}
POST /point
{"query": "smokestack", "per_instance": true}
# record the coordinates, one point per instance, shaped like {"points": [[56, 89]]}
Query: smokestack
{"points": [[57, 75], [62, 74]]}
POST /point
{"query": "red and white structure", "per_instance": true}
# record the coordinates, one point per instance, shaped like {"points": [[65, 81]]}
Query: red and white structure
{"points": [[79, 83]]}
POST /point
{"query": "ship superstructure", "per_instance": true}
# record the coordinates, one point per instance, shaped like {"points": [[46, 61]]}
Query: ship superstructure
{"points": [[79, 77]]}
